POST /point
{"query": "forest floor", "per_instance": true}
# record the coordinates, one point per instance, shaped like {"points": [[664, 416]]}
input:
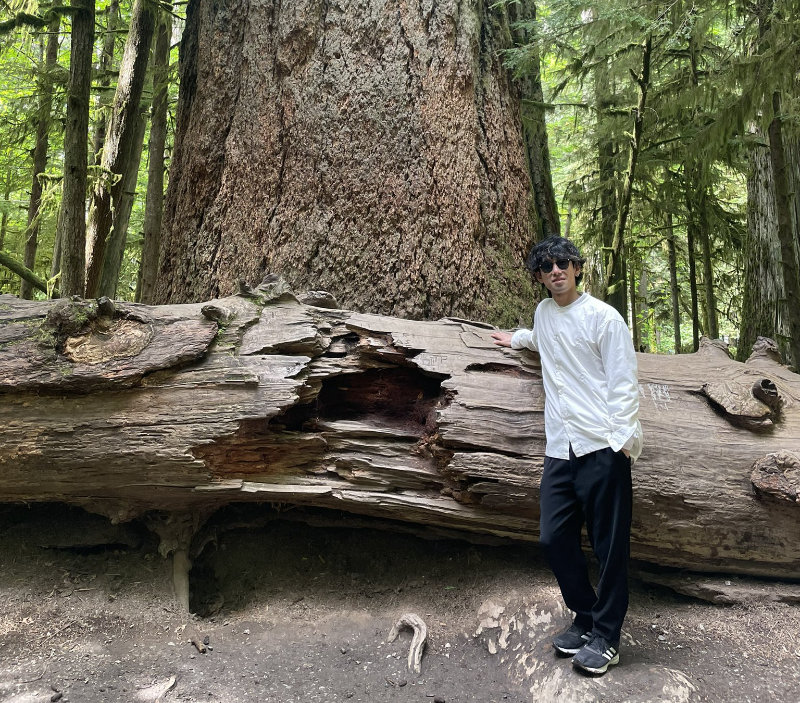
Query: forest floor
{"points": [[295, 613]]}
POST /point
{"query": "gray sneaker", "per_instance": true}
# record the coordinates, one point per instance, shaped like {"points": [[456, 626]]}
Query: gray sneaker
{"points": [[596, 656], [571, 640]]}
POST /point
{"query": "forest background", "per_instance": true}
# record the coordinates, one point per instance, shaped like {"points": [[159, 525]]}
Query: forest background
{"points": [[663, 137]]}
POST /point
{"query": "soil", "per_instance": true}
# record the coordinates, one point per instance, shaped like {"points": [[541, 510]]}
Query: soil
{"points": [[297, 613]]}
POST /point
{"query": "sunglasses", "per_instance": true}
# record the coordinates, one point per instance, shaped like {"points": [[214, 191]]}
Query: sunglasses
{"points": [[547, 266]]}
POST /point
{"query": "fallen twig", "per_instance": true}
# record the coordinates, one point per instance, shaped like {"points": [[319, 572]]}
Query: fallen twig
{"points": [[417, 641]]}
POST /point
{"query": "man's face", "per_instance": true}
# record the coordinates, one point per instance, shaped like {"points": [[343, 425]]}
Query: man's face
{"points": [[560, 280]]}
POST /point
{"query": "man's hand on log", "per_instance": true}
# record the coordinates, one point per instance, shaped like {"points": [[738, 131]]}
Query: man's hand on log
{"points": [[502, 339]]}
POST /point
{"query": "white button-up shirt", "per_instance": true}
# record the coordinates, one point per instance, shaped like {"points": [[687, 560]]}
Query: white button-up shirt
{"points": [[589, 373]]}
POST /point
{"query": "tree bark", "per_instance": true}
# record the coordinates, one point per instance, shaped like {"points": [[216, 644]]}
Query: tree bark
{"points": [[45, 91], [712, 326], [71, 229], [115, 250], [785, 204], [762, 294], [259, 397], [119, 148], [534, 125], [104, 69], [154, 203], [369, 148]]}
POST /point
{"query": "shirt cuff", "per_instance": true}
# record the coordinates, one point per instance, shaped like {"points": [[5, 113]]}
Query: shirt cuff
{"points": [[523, 339]]}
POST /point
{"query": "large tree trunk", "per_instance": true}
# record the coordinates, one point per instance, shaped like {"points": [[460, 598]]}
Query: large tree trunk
{"points": [[71, 229], [785, 208], [259, 397], [763, 299], [373, 149]]}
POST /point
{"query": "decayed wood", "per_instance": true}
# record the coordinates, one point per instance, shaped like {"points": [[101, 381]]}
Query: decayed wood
{"points": [[126, 409], [417, 624]]}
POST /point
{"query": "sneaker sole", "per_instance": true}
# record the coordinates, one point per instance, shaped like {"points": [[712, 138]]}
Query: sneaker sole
{"points": [[567, 652], [597, 670]]}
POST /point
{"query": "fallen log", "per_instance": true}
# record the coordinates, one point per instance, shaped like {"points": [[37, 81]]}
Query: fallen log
{"points": [[170, 412]]}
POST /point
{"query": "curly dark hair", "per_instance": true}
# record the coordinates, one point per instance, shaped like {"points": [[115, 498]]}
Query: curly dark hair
{"points": [[552, 249]]}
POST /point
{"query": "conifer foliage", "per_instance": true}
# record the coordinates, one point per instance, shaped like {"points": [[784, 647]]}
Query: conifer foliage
{"points": [[684, 222]]}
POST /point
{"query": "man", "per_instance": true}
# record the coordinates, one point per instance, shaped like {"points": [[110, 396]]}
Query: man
{"points": [[593, 436]]}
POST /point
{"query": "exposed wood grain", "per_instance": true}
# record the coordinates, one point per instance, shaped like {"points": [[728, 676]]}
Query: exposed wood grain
{"points": [[260, 398]]}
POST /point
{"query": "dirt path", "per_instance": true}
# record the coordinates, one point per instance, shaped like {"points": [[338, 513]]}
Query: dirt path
{"points": [[301, 614]]}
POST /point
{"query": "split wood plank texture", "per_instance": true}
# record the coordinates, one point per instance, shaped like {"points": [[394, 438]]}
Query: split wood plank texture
{"points": [[131, 410]]}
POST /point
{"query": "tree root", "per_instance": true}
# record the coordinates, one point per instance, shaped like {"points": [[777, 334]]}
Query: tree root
{"points": [[418, 641]]}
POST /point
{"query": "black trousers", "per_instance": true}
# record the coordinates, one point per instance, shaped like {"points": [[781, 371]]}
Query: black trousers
{"points": [[595, 489]]}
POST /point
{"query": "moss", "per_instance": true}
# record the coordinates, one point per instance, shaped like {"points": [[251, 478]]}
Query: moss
{"points": [[511, 292]]}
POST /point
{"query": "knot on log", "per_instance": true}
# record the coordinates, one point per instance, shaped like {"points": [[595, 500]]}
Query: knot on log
{"points": [[319, 299], [414, 622], [713, 347], [754, 407], [778, 476], [765, 349], [68, 318], [272, 289], [219, 312], [93, 331]]}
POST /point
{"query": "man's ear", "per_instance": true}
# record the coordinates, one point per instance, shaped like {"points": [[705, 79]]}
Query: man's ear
{"points": [[578, 269], [538, 276]]}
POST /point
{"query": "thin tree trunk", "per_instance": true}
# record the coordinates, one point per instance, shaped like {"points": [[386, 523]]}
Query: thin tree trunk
{"points": [[690, 246], [637, 339], [119, 145], [45, 90], [4, 216], [154, 204], [71, 229], [55, 267], [534, 127], [783, 206], [119, 234], [674, 290], [643, 80], [712, 329], [104, 70], [606, 149]]}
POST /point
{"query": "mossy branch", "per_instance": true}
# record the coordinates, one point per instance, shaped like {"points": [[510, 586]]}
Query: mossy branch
{"points": [[24, 272]]}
